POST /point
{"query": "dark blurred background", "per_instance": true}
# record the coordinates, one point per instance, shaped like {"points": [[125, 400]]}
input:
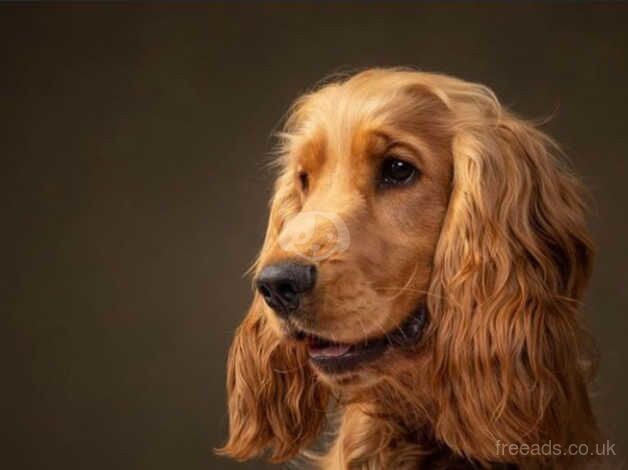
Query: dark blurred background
{"points": [[134, 141]]}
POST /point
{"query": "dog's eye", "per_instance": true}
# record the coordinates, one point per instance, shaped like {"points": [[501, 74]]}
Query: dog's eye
{"points": [[304, 180], [397, 172]]}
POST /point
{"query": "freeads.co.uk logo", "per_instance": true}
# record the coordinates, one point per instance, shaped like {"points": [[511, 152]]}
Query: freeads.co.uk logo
{"points": [[315, 235]]}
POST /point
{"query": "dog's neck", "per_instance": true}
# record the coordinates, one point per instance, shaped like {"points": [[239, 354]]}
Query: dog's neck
{"points": [[366, 438]]}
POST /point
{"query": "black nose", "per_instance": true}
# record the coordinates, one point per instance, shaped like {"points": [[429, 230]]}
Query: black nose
{"points": [[282, 285]]}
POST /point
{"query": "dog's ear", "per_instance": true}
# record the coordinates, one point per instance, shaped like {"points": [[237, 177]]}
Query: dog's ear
{"points": [[275, 401], [511, 358]]}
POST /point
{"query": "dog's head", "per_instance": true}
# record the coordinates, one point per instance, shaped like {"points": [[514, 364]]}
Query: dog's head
{"points": [[420, 236]]}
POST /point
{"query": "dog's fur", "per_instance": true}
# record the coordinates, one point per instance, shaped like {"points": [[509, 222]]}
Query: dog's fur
{"points": [[491, 238]]}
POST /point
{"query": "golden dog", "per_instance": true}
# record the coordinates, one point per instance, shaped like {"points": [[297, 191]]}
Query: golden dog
{"points": [[424, 264]]}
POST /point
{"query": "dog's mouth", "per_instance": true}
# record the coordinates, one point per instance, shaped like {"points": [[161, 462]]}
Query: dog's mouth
{"points": [[333, 357]]}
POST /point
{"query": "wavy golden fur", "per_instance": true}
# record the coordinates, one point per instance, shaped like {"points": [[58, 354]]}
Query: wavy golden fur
{"points": [[491, 238]]}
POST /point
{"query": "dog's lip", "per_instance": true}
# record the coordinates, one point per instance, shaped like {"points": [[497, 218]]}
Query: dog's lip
{"points": [[334, 357]]}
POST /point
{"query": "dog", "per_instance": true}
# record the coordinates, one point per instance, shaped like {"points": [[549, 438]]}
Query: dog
{"points": [[419, 289]]}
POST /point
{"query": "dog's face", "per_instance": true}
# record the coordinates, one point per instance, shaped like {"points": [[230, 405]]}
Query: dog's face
{"points": [[370, 176], [426, 253]]}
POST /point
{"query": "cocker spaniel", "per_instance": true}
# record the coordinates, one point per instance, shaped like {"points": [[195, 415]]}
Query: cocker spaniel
{"points": [[419, 287]]}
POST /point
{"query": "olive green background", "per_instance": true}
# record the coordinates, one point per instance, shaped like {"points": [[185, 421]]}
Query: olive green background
{"points": [[134, 141]]}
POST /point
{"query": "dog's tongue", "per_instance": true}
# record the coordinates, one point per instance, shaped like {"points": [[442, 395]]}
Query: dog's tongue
{"points": [[320, 349]]}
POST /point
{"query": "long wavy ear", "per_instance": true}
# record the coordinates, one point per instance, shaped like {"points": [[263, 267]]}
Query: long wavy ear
{"points": [[275, 401], [511, 359]]}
